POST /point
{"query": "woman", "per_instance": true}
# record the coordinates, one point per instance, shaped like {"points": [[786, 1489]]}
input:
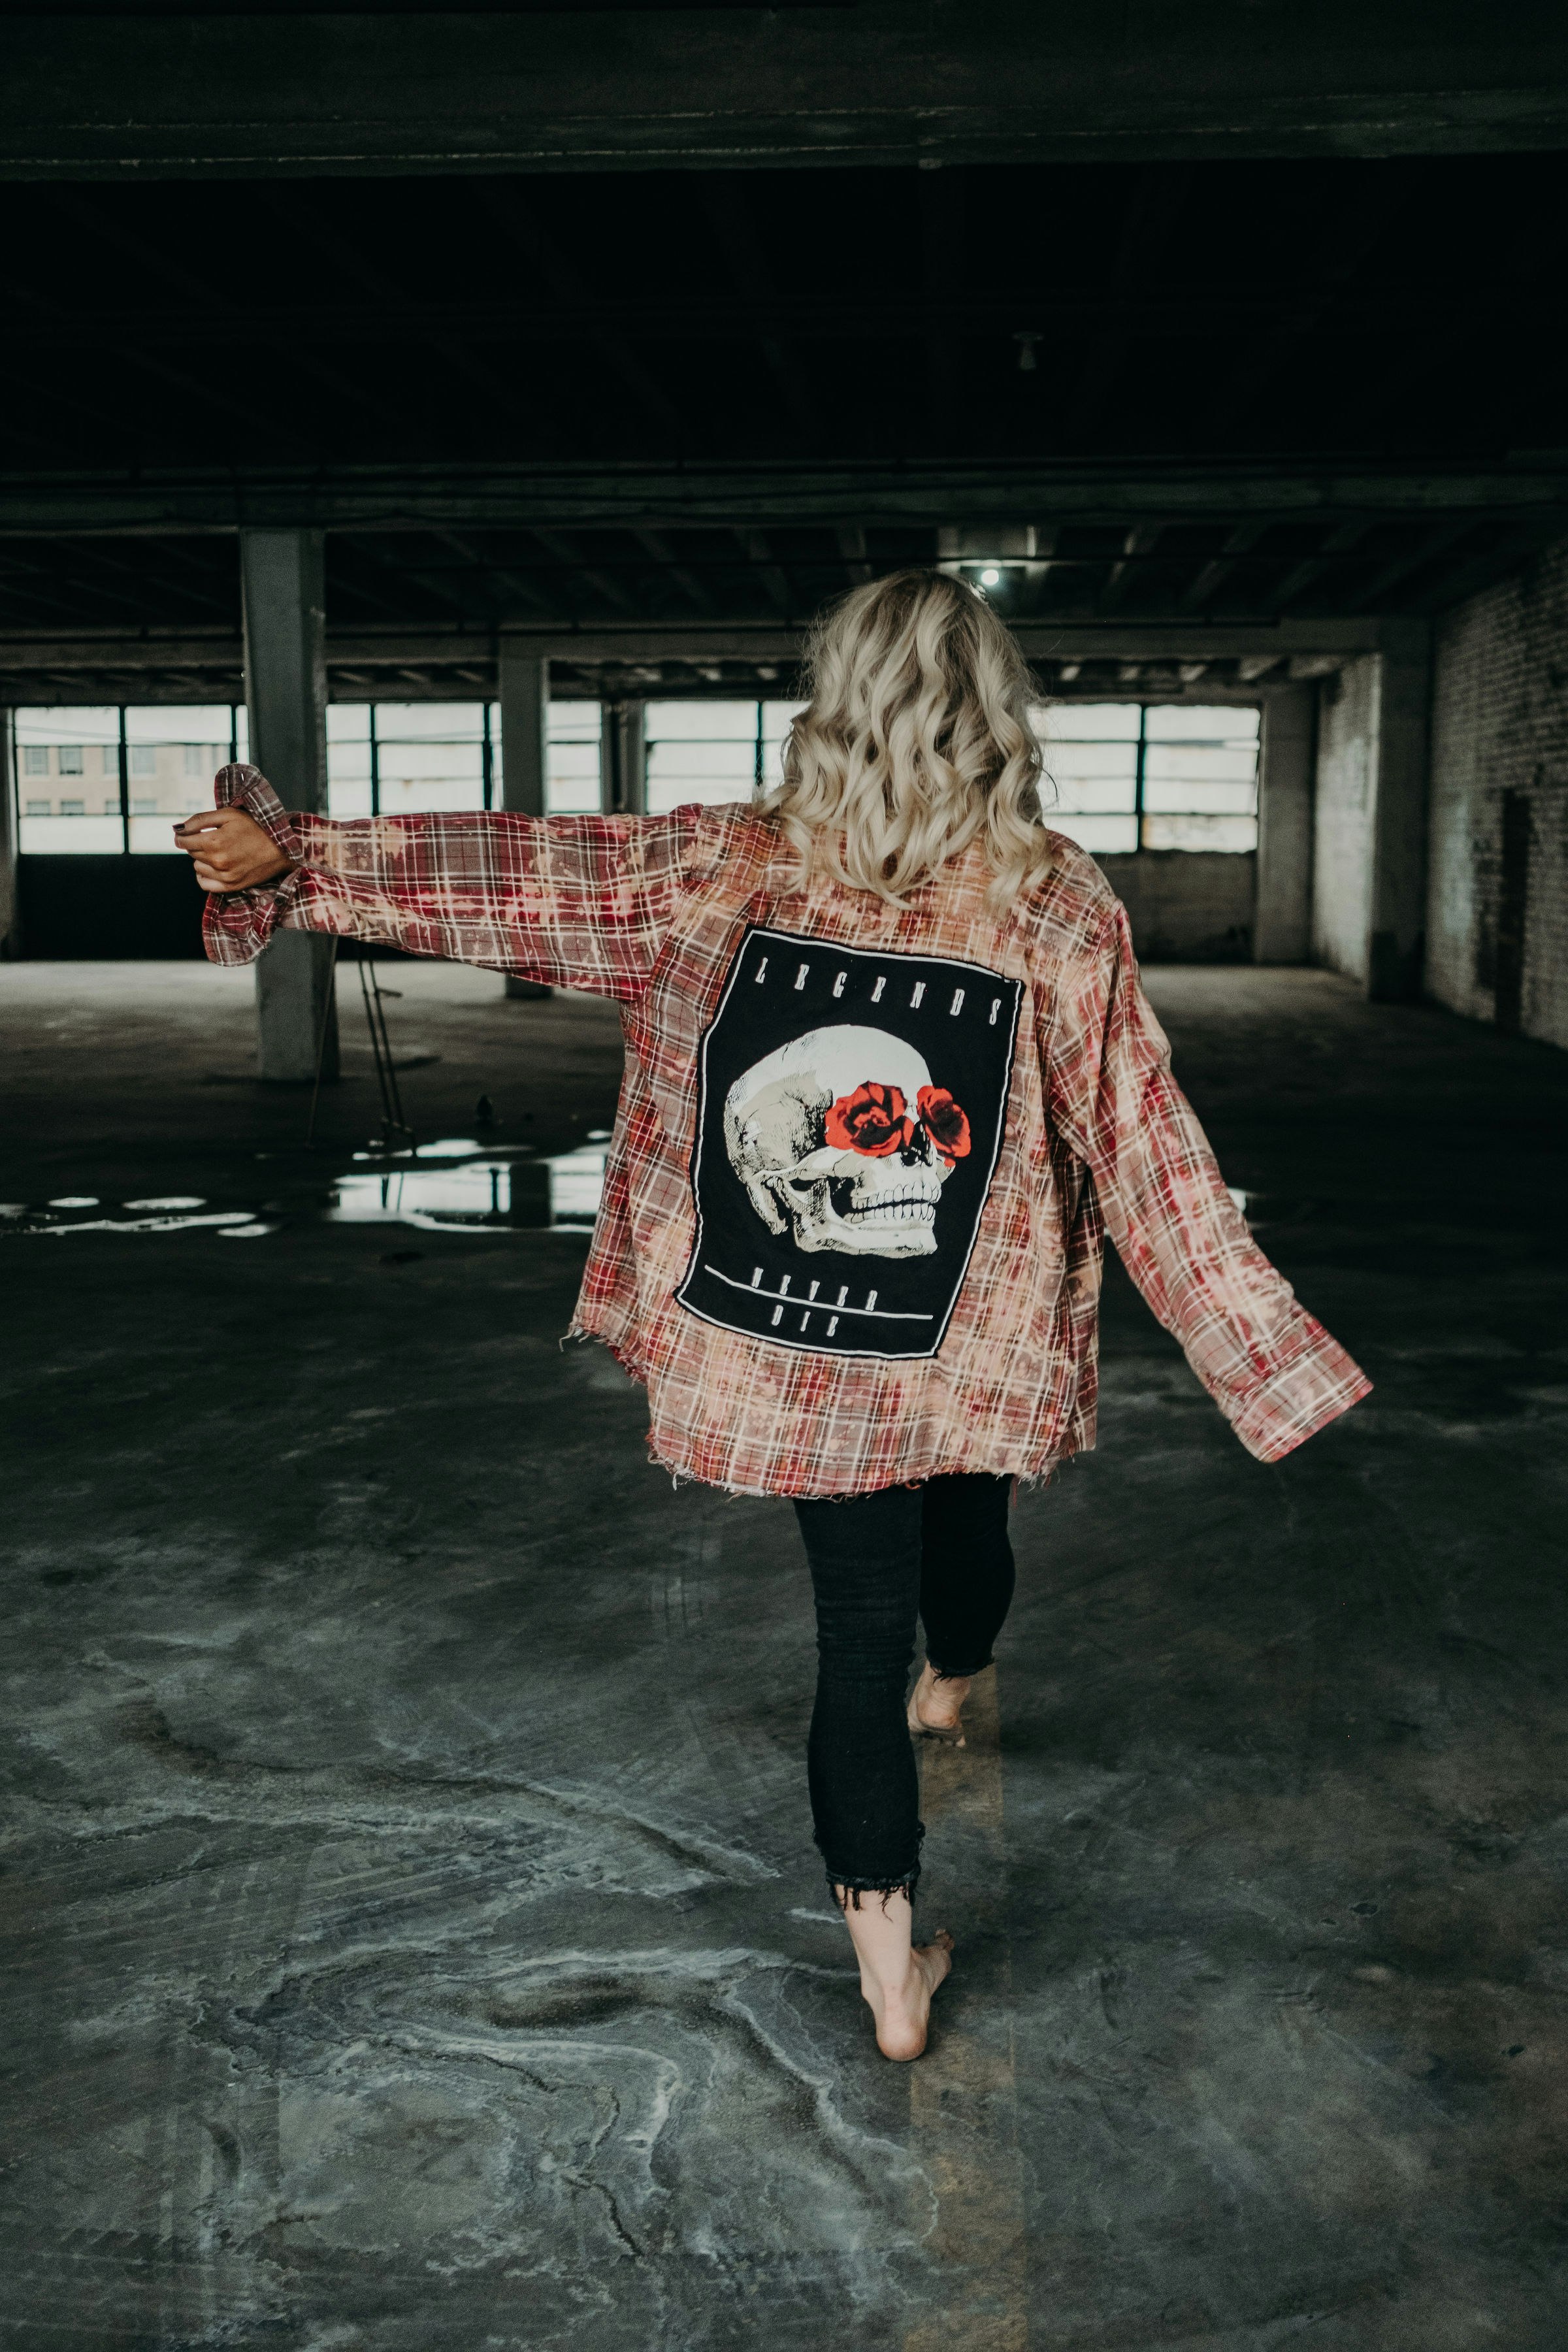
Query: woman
{"points": [[889, 1075]]}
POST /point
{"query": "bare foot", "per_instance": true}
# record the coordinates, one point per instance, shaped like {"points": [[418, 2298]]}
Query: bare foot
{"points": [[936, 1706], [903, 2011]]}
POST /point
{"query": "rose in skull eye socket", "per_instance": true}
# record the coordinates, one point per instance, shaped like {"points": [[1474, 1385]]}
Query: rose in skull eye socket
{"points": [[871, 1120], [944, 1123]]}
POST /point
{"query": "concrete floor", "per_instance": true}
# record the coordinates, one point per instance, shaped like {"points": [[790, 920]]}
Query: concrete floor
{"points": [[414, 1936]]}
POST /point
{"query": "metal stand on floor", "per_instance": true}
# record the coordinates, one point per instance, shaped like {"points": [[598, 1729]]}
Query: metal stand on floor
{"points": [[396, 1134]]}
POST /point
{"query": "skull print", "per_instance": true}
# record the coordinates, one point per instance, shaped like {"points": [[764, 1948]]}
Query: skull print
{"points": [[851, 1107], [842, 1140]]}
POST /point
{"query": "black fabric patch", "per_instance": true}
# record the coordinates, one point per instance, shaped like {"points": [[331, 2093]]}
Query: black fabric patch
{"points": [[850, 1117]]}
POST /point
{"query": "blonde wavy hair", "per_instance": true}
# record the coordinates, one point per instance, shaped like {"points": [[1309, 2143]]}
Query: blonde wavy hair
{"points": [[916, 741]]}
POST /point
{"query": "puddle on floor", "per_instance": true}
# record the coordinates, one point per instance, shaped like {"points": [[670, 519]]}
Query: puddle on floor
{"points": [[454, 1184]]}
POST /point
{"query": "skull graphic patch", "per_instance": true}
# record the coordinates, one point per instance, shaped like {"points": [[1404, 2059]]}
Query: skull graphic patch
{"points": [[849, 1118]]}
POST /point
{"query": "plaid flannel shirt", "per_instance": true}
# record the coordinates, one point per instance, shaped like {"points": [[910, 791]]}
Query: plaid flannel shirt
{"points": [[648, 911]]}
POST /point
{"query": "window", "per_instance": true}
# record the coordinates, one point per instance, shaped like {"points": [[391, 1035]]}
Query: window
{"points": [[163, 744], [43, 738], [713, 750], [409, 758], [1200, 777], [571, 749], [403, 758], [1092, 760], [1171, 775], [78, 741]]}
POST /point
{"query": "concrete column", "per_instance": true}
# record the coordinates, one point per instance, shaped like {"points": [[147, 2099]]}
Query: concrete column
{"points": [[623, 760], [1396, 930], [10, 944], [282, 584], [524, 687], [1282, 924], [1369, 884]]}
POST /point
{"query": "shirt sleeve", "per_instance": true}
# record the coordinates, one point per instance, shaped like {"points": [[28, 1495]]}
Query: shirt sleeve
{"points": [[576, 902], [1270, 1367]]}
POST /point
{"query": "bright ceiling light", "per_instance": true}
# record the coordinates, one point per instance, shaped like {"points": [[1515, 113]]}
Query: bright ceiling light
{"points": [[989, 577]]}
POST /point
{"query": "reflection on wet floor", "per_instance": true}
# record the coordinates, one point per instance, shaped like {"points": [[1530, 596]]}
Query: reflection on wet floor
{"points": [[490, 1188], [454, 1183]]}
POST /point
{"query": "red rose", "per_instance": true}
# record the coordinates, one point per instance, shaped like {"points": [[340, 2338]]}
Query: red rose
{"points": [[871, 1120], [944, 1123]]}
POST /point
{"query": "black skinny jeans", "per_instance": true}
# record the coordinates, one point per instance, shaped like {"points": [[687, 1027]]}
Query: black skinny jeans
{"points": [[939, 1550]]}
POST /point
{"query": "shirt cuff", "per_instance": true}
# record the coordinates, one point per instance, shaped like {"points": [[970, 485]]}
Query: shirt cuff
{"points": [[244, 787], [1318, 1383]]}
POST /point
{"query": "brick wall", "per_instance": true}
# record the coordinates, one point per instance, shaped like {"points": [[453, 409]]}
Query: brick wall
{"points": [[1348, 725], [1187, 906], [1496, 935]]}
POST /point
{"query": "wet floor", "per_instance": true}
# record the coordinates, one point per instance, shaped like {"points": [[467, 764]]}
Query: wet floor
{"points": [[413, 1938], [451, 1184]]}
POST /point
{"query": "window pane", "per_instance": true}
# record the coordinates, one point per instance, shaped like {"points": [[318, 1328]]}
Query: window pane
{"points": [[1217, 795], [1228, 833], [348, 759], [777, 720], [691, 722], [572, 757], [1200, 777], [429, 757], [1086, 722], [731, 761], [430, 722], [1088, 794], [1211, 722], [699, 752], [61, 755], [175, 750]]}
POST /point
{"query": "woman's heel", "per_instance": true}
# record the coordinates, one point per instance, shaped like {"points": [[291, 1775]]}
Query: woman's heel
{"points": [[944, 1726]]}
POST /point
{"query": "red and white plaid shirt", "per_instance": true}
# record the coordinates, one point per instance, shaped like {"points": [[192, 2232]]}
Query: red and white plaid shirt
{"points": [[651, 911]]}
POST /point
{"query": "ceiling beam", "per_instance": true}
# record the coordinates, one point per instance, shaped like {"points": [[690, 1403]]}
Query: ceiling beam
{"points": [[1214, 574], [852, 547], [655, 545], [760, 556], [375, 648], [1401, 568], [561, 551], [1139, 544], [259, 92], [1281, 593], [400, 497]]}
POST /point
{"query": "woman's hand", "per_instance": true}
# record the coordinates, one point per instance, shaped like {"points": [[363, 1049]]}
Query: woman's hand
{"points": [[230, 851]]}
